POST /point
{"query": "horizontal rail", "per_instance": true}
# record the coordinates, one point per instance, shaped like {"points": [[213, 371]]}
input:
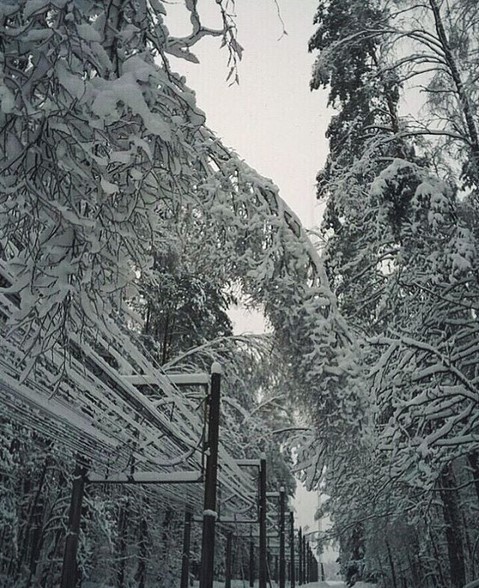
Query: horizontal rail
{"points": [[186, 477], [231, 520], [200, 379], [243, 463]]}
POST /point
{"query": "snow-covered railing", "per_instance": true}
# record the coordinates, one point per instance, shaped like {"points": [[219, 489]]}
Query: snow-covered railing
{"points": [[114, 407], [185, 477]]}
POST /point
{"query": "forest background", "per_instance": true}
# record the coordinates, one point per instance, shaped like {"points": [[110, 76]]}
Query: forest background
{"points": [[116, 198]]}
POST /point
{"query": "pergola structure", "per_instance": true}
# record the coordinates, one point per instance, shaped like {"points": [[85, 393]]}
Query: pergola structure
{"points": [[103, 396], [126, 420]]}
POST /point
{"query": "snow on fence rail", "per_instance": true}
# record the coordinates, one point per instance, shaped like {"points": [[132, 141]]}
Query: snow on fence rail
{"points": [[110, 387], [111, 405]]}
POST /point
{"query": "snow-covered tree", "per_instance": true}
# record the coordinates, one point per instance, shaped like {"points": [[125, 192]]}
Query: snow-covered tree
{"points": [[115, 197], [401, 256]]}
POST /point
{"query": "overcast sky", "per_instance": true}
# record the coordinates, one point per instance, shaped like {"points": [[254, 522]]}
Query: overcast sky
{"points": [[271, 119]]}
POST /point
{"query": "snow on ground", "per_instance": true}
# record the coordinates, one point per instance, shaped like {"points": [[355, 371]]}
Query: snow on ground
{"points": [[328, 584], [245, 584], [337, 584]]}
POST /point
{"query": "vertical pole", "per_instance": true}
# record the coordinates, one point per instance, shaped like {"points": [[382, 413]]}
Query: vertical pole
{"points": [[262, 523], [211, 471], [305, 570], [228, 558], [185, 564], [300, 557], [251, 559], [307, 565], [70, 567], [291, 550], [309, 556], [323, 575], [282, 555]]}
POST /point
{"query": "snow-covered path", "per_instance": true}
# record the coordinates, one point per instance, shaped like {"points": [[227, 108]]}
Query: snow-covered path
{"points": [[336, 584], [328, 584]]}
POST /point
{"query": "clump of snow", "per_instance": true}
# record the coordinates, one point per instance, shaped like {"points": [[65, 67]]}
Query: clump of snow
{"points": [[210, 513], [216, 368]]}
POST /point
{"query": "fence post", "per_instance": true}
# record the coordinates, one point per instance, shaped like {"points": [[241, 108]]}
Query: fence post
{"points": [[262, 523], [300, 557], [305, 568], [291, 550], [211, 471], [282, 555]]}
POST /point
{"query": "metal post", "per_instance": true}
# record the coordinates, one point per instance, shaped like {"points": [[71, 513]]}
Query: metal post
{"points": [[70, 567], [291, 550], [228, 558], [305, 571], [209, 513], [251, 559], [309, 558], [262, 523], [185, 565], [300, 557], [282, 555], [307, 566]]}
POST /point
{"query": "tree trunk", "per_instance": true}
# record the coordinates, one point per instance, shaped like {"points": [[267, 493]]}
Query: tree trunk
{"points": [[454, 538], [438, 559], [140, 575], [30, 537], [391, 565], [474, 463], [122, 533], [472, 138]]}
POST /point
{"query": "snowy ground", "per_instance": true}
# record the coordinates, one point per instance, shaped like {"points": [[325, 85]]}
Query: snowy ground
{"points": [[338, 584], [329, 584], [245, 584]]}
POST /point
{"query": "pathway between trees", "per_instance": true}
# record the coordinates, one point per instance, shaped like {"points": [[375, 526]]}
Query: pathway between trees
{"points": [[337, 584]]}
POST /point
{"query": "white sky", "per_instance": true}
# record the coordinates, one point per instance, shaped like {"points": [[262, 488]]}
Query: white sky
{"points": [[271, 119]]}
